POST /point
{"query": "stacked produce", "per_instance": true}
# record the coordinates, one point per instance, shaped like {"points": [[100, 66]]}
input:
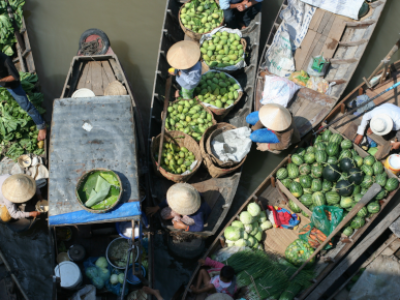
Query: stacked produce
{"points": [[18, 133], [7, 37], [217, 89], [177, 160], [248, 232], [189, 117], [201, 16], [332, 173], [222, 50]]}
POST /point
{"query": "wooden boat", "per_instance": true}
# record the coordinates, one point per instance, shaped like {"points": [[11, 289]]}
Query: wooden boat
{"points": [[339, 39], [272, 192], [219, 192]]}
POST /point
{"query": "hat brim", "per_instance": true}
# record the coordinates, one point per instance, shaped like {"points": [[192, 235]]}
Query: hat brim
{"points": [[275, 117], [27, 195], [183, 55], [189, 210], [388, 129]]}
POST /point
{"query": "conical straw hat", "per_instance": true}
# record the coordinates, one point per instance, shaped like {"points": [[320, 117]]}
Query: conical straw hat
{"points": [[183, 55], [275, 117], [19, 188], [115, 88], [381, 124], [183, 198], [219, 296]]}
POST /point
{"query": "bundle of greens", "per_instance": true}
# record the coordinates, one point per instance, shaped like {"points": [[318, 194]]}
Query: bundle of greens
{"points": [[18, 133], [7, 38]]}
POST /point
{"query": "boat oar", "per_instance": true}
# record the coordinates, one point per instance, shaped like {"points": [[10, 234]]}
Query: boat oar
{"points": [[371, 193], [163, 118], [356, 108]]}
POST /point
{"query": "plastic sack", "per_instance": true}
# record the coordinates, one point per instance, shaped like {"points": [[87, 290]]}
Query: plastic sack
{"points": [[208, 36], [318, 84], [223, 254], [313, 236], [299, 77], [88, 292], [278, 90], [298, 252]]}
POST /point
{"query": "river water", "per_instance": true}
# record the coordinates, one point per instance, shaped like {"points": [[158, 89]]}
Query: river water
{"points": [[134, 28]]}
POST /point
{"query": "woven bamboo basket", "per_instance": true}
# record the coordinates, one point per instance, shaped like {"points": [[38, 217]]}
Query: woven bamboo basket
{"points": [[215, 171], [182, 140], [194, 35]]}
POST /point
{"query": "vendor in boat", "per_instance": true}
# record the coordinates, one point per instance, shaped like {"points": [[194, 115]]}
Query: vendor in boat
{"points": [[184, 207], [273, 128], [239, 13], [382, 120], [16, 189], [184, 58], [9, 79]]}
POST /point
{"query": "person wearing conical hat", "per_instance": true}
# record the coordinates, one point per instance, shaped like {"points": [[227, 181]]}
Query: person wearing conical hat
{"points": [[184, 58], [184, 207], [16, 189], [273, 128]]}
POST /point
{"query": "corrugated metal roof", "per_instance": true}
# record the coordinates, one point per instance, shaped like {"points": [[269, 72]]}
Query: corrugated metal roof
{"points": [[89, 133]]}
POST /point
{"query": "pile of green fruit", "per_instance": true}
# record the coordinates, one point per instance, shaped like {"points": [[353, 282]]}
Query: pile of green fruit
{"points": [[218, 89], [332, 173], [175, 159], [201, 16], [7, 36], [222, 50], [18, 133], [189, 117]]}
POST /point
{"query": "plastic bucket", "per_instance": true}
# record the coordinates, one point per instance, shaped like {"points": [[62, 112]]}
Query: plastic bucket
{"points": [[132, 279], [70, 275], [393, 163], [83, 93]]}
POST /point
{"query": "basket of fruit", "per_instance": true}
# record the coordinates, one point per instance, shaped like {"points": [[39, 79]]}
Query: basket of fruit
{"points": [[181, 156], [219, 92], [189, 116], [199, 17]]}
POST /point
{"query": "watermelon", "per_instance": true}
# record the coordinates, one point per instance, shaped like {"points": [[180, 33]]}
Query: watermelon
{"points": [[318, 139], [282, 173], [346, 202], [367, 182], [382, 194], [332, 160], [344, 188], [310, 149], [320, 147], [306, 199], [305, 181], [369, 160], [373, 207], [367, 170], [294, 207], [316, 185], [326, 135], [331, 173], [363, 212], [381, 179], [298, 252], [363, 191], [321, 156], [353, 152], [356, 190], [356, 176], [309, 157], [377, 167], [391, 184], [358, 160], [357, 222], [332, 198], [316, 170], [357, 197], [348, 231], [343, 176], [346, 144], [346, 164], [305, 169], [297, 159], [318, 199], [293, 171], [287, 182], [326, 185], [301, 151], [336, 138], [351, 207], [296, 189], [307, 191]]}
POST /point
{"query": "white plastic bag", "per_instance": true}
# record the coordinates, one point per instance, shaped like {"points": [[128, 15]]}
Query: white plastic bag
{"points": [[88, 292], [278, 90]]}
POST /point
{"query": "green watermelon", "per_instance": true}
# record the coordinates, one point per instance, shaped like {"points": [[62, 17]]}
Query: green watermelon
{"points": [[293, 171], [346, 164], [348, 231], [343, 176], [296, 189], [331, 173], [332, 160], [377, 167], [363, 212], [336, 138], [332, 149], [346, 144], [332, 198], [306, 199], [301, 151], [326, 185], [298, 252], [363, 191], [318, 199], [294, 207], [307, 191], [373, 207], [356, 190], [369, 160], [381, 179], [344, 188], [367, 182], [305, 181], [321, 156], [353, 153], [309, 158], [282, 173], [316, 170], [318, 139], [351, 207], [310, 149], [326, 135], [305, 169], [346, 202], [345, 154], [320, 147], [357, 197], [287, 182], [356, 176], [297, 159], [357, 222], [358, 160], [391, 184], [381, 195], [316, 185], [367, 170]]}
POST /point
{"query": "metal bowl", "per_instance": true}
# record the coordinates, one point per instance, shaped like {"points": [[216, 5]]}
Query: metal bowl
{"points": [[108, 250]]}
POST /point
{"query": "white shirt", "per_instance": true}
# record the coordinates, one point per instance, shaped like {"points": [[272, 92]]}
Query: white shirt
{"points": [[391, 110]]}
